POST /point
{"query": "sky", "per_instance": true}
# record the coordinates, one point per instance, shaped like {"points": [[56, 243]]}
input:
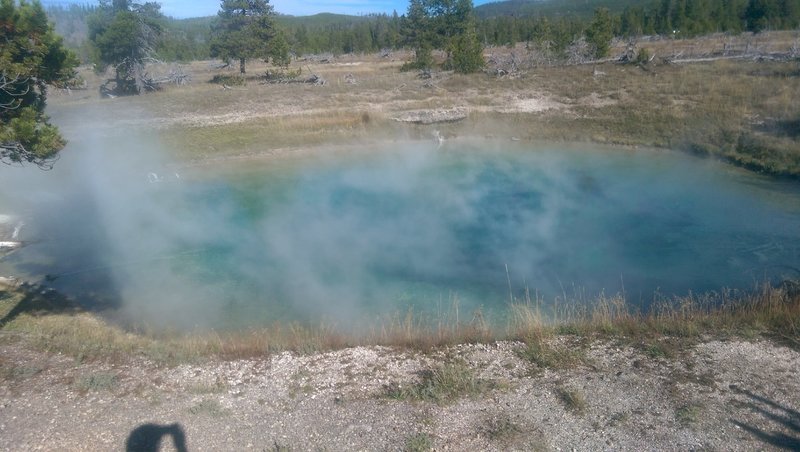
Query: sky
{"points": [[199, 8], [195, 8]]}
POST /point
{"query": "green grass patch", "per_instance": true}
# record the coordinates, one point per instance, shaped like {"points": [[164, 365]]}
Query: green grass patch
{"points": [[420, 442], [229, 80], [18, 373], [98, 381], [688, 414], [442, 384], [501, 429]]}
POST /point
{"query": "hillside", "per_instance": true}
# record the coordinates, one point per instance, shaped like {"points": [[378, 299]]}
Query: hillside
{"points": [[553, 8]]}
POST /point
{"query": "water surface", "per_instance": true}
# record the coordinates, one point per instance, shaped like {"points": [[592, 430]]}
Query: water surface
{"points": [[349, 237]]}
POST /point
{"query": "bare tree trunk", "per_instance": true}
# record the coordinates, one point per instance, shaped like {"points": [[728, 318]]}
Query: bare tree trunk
{"points": [[241, 65]]}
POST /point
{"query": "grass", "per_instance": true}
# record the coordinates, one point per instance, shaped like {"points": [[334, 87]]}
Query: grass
{"points": [[209, 388], [98, 381], [420, 442], [278, 447], [551, 336], [741, 111], [10, 372], [442, 384], [501, 429], [209, 408], [688, 414], [572, 399], [547, 355]]}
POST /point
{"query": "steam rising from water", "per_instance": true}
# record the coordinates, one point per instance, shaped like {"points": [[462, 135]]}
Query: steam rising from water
{"points": [[352, 237]]}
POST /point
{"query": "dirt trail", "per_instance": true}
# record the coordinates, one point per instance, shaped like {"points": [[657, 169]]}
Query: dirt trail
{"points": [[717, 396]]}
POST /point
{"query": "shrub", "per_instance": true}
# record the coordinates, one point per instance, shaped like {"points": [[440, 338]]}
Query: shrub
{"points": [[230, 80]]}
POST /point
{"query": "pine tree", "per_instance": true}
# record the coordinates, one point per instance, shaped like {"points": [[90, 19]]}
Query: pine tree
{"points": [[444, 24], [246, 29], [464, 50], [31, 57], [417, 35], [125, 34], [600, 32]]}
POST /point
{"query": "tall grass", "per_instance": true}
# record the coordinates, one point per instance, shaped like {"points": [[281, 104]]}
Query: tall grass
{"points": [[768, 311]]}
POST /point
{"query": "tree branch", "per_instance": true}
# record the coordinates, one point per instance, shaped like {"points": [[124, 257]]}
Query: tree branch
{"points": [[14, 153]]}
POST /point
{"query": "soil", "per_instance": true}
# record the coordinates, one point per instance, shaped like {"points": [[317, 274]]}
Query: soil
{"points": [[734, 395]]}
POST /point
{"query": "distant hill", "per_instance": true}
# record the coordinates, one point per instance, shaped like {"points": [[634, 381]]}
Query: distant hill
{"points": [[552, 8], [321, 20]]}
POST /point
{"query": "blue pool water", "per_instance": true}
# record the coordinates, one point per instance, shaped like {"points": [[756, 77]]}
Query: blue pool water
{"points": [[349, 237]]}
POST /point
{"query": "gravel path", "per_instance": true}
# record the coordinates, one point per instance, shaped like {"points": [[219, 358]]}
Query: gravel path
{"points": [[717, 396]]}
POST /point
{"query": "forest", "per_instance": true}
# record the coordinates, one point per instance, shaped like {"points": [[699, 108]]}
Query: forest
{"points": [[557, 24]]}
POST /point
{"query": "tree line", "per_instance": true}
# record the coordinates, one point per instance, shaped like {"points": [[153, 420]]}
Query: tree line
{"points": [[190, 39], [124, 34]]}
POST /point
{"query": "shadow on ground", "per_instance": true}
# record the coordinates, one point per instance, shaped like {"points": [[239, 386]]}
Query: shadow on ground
{"points": [[147, 438], [36, 300], [787, 421]]}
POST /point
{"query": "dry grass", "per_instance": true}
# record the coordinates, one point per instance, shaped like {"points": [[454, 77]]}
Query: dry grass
{"points": [[662, 332], [742, 111], [573, 400]]}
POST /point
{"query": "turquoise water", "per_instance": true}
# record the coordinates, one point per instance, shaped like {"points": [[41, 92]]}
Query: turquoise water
{"points": [[348, 238]]}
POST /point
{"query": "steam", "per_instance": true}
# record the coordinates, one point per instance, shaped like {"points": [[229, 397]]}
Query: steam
{"points": [[348, 238]]}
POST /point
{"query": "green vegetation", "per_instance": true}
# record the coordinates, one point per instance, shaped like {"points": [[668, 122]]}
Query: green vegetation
{"points": [[661, 333], [447, 25], [545, 355], [600, 32], [502, 429], [421, 442], [665, 17], [442, 384], [70, 22], [210, 408], [99, 381], [278, 447], [185, 39], [577, 8], [32, 57], [341, 34], [689, 414], [246, 29], [551, 26], [124, 34], [18, 373], [573, 400]]}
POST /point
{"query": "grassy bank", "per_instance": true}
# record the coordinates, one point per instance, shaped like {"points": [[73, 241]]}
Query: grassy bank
{"points": [[744, 111], [553, 335]]}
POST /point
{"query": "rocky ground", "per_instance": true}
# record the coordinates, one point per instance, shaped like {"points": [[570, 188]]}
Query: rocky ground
{"points": [[735, 395]]}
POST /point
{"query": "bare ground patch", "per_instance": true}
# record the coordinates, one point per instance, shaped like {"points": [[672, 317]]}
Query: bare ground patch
{"points": [[723, 395]]}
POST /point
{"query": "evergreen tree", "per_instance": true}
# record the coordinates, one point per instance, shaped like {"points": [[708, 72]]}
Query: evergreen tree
{"points": [[246, 29], [417, 35], [467, 55], [125, 35], [632, 21], [600, 32], [31, 57], [447, 25]]}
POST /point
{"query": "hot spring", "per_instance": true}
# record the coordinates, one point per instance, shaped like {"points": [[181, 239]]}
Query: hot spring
{"points": [[350, 237]]}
